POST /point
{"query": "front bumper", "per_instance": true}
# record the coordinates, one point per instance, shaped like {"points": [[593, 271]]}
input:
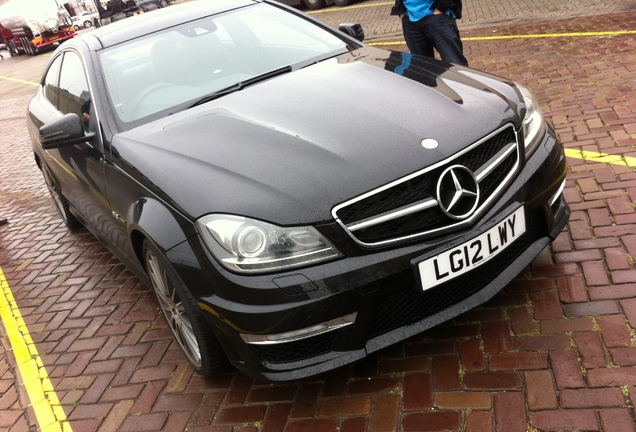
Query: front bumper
{"points": [[380, 289]]}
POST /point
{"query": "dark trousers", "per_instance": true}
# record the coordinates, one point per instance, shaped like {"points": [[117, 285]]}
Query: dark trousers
{"points": [[438, 32]]}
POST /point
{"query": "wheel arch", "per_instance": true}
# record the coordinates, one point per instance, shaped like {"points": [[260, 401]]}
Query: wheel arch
{"points": [[151, 218]]}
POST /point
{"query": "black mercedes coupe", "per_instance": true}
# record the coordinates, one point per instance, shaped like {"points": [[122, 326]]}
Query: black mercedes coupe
{"points": [[296, 200]]}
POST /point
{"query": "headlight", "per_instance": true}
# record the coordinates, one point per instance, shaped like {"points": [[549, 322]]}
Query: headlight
{"points": [[533, 122], [251, 246]]}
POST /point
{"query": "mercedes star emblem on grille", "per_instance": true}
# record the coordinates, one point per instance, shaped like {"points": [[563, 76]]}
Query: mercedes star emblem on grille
{"points": [[457, 192]]}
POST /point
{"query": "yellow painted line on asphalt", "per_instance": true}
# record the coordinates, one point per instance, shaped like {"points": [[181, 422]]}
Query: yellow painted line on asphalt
{"points": [[42, 396], [19, 80], [601, 157]]}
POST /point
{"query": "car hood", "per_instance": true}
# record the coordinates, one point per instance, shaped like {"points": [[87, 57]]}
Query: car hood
{"points": [[289, 149]]}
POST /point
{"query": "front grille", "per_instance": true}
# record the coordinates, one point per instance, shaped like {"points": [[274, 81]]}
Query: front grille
{"points": [[408, 208], [404, 305]]}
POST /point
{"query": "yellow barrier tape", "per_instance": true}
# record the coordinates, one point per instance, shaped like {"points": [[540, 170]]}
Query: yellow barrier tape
{"points": [[44, 400]]}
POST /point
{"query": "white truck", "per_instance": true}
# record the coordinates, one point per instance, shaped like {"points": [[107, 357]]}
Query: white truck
{"points": [[29, 26]]}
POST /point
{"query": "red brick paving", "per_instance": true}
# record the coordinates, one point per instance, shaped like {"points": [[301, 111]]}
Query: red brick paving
{"points": [[555, 350]]}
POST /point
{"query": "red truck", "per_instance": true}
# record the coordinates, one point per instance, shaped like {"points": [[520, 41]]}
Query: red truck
{"points": [[31, 30]]}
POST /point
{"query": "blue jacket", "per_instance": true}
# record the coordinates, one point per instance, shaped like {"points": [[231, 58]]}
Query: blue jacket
{"points": [[442, 5]]}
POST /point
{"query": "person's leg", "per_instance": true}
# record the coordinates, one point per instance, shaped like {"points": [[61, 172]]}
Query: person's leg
{"points": [[416, 40], [442, 30]]}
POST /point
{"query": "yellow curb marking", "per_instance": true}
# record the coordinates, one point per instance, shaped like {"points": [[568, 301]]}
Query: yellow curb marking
{"points": [[601, 157], [526, 36], [46, 405], [339, 9], [19, 80], [552, 35]]}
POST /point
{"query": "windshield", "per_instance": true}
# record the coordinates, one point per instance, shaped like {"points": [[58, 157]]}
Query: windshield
{"points": [[155, 75]]}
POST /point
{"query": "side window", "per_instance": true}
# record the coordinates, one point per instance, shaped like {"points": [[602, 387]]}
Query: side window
{"points": [[74, 94], [51, 89]]}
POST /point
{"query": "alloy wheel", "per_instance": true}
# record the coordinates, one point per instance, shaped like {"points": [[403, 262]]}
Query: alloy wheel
{"points": [[57, 198], [173, 308]]}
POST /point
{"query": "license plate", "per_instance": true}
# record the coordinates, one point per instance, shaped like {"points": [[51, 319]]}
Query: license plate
{"points": [[473, 253]]}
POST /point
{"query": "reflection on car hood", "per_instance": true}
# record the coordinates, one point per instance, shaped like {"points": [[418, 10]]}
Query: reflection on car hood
{"points": [[287, 150]]}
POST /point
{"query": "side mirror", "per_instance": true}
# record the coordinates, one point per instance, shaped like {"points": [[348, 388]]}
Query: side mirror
{"points": [[354, 30], [67, 130]]}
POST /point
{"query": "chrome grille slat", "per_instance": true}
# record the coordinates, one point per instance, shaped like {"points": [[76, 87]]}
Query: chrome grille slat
{"points": [[388, 216], [407, 208]]}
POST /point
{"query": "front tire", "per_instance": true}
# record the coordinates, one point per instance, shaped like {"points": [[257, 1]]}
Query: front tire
{"points": [[58, 199], [183, 315]]}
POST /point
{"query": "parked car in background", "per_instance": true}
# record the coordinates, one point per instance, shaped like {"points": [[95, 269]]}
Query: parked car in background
{"points": [[149, 5], [85, 19], [296, 200], [317, 4]]}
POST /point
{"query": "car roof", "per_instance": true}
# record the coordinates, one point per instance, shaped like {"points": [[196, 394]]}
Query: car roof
{"points": [[151, 22]]}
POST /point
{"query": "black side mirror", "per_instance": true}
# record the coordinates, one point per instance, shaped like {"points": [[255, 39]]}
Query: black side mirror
{"points": [[354, 30], [67, 130]]}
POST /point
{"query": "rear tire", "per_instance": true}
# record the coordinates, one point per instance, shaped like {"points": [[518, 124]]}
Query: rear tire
{"points": [[315, 4], [28, 46], [58, 199], [184, 317], [13, 50], [25, 45]]}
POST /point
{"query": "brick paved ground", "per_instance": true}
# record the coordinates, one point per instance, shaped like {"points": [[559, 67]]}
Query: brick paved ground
{"points": [[374, 14], [555, 350]]}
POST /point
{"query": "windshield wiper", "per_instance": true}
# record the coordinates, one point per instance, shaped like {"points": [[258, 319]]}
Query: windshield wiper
{"points": [[241, 85]]}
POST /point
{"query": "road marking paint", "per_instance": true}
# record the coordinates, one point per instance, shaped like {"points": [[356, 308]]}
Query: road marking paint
{"points": [[46, 405], [528, 36], [628, 161], [19, 80], [553, 35], [340, 9]]}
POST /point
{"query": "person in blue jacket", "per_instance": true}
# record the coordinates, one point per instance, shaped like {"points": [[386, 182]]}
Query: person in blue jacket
{"points": [[430, 25]]}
